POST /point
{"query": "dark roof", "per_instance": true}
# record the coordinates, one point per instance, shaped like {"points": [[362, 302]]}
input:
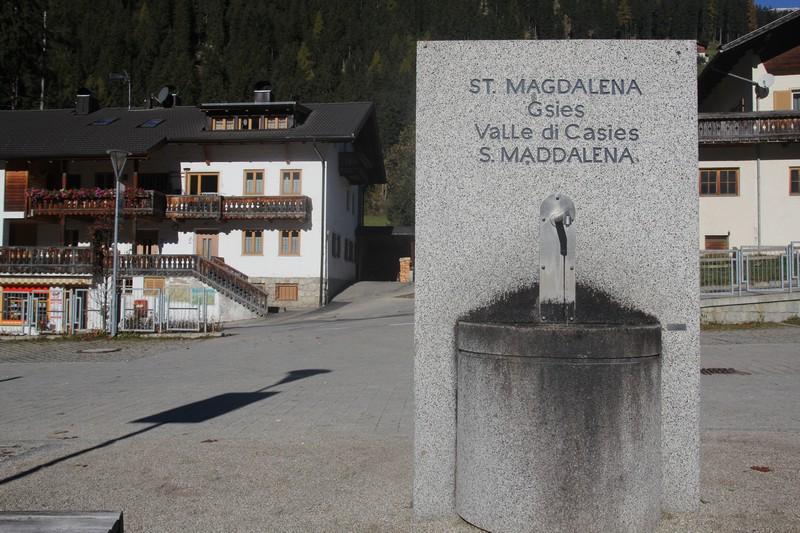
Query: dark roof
{"points": [[61, 133], [335, 122], [766, 42]]}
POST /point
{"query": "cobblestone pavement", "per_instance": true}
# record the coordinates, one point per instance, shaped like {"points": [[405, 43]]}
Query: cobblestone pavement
{"points": [[69, 351], [305, 423]]}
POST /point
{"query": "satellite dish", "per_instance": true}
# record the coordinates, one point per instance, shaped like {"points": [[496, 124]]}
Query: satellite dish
{"points": [[163, 94], [762, 85], [166, 96]]}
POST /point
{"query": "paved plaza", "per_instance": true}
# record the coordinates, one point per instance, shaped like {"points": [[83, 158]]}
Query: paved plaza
{"points": [[304, 422]]}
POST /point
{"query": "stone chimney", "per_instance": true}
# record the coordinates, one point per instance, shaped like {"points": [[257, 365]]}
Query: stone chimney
{"points": [[85, 102]]}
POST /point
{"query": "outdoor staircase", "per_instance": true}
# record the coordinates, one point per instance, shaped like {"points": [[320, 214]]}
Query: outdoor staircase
{"points": [[213, 272], [84, 262]]}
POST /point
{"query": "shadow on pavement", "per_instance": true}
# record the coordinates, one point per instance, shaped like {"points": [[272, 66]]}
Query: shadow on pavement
{"points": [[191, 413]]}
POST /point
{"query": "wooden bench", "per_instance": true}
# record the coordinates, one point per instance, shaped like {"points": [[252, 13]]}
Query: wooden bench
{"points": [[55, 522]]}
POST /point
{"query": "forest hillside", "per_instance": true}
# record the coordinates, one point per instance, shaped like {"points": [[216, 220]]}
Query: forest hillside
{"points": [[311, 50]]}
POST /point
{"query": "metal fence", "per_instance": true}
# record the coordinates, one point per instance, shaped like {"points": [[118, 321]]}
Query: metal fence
{"points": [[81, 310], [750, 269]]}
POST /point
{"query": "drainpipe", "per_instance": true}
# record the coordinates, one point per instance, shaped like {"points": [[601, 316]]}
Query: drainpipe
{"points": [[758, 188], [324, 233], [758, 194]]}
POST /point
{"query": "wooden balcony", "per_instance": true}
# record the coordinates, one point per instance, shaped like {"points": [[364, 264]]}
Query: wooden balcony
{"points": [[758, 127], [212, 206], [46, 260], [92, 203]]}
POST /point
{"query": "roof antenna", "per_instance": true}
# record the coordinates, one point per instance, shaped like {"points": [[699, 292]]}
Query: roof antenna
{"points": [[125, 78]]}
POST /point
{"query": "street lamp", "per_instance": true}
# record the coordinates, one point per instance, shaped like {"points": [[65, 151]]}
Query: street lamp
{"points": [[118, 159]]}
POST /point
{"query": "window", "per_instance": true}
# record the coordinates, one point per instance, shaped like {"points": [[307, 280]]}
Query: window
{"points": [[104, 180], [104, 121], [719, 182], [249, 123], [151, 123], [15, 302], [290, 242], [349, 250], [252, 242], [336, 245], [286, 291], [796, 100], [794, 180], [290, 181], [277, 122], [254, 182], [13, 306], [202, 183], [258, 122], [73, 181], [159, 181], [146, 241], [224, 123]]}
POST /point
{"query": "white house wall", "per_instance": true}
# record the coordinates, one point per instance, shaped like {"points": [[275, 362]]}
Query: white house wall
{"points": [[231, 163], [342, 219], [781, 83], [737, 216]]}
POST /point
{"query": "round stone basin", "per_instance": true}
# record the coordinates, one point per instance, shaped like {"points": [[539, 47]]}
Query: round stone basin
{"points": [[558, 426]]}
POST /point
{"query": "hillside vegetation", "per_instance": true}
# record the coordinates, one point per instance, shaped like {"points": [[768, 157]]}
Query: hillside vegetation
{"points": [[311, 50]]}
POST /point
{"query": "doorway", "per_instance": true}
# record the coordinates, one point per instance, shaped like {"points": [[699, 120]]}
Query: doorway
{"points": [[147, 242]]}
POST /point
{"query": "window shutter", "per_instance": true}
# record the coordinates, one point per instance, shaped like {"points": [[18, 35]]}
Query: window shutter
{"points": [[716, 242], [16, 183], [782, 100]]}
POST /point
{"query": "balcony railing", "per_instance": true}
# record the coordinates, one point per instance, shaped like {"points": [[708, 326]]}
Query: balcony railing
{"points": [[265, 207], [194, 206], [46, 260], [218, 275], [759, 127], [67, 260], [92, 202], [237, 207]]}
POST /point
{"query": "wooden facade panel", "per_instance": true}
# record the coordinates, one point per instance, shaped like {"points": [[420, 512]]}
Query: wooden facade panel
{"points": [[16, 184], [782, 100], [785, 64], [286, 291]]}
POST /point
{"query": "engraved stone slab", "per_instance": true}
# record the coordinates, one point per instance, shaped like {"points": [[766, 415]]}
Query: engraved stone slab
{"points": [[501, 125]]}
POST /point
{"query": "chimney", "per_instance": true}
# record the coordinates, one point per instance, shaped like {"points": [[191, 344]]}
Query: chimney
{"points": [[262, 92], [85, 102]]}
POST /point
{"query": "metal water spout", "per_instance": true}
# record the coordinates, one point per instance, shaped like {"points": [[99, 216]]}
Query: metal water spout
{"points": [[557, 259]]}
